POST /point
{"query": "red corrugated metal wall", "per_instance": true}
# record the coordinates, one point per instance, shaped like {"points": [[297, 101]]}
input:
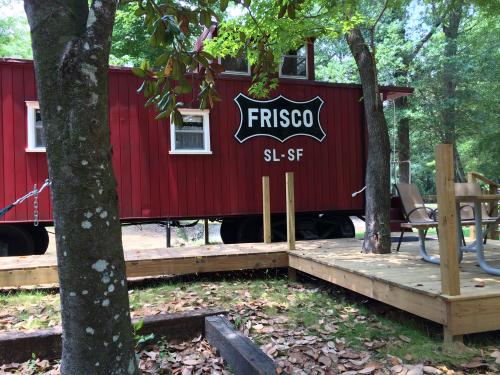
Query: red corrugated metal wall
{"points": [[152, 183]]}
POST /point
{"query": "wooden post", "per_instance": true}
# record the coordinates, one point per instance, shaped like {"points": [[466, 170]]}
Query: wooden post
{"points": [[447, 220], [207, 233], [472, 233], [266, 209], [493, 209], [290, 211], [169, 235]]}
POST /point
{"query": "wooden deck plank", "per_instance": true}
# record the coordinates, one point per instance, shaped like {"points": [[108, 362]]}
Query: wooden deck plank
{"points": [[39, 270], [404, 269], [405, 281], [399, 279]]}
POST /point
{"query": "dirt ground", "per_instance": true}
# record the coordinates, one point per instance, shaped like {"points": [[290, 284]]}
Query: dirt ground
{"points": [[153, 236]]}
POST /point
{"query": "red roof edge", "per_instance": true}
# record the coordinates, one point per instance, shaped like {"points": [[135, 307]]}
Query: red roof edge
{"points": [[394, 92]]}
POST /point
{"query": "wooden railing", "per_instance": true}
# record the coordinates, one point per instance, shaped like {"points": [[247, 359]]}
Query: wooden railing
{"points": [[491, 188]]}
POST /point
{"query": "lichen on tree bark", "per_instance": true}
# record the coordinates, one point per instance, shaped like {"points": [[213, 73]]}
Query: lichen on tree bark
{"points": [[71, 43]]}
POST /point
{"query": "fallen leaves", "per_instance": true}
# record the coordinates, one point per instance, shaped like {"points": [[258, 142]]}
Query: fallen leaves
{"points": [[294, 324]]}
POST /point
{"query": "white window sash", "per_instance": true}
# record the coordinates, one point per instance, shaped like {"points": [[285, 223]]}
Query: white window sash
{"points": [[31, 107], [204, 113], [236, 72], [281, 75]]}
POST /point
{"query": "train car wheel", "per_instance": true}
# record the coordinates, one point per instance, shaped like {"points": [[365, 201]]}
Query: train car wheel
{"points": [[40, 238], [229, 230], [250, 230], [15, 240], [241, 230], [335, 226]]}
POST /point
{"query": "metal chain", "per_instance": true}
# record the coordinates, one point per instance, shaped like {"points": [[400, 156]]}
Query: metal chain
{"points": [[35, 206], [31, 193]]}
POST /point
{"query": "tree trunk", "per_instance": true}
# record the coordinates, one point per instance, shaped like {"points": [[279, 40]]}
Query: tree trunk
{"points": [[403, 140], [449, 113], [71, 44], [402, 103], [377, 235]]}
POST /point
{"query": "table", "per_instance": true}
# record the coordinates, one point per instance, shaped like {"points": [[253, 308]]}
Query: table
{"points": [[477, 245]]}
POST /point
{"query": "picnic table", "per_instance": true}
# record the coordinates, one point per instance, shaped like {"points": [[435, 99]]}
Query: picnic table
{"points": [[477, 245]]}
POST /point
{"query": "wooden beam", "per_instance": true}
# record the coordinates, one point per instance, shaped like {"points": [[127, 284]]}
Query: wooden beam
{"points": [[18, 346], [421, 304], [447, 220], [451, 340], [292, 274], [493, 210], [473, 315], [290, 211], [41, 270], [471, 178], [266, 209], [242, 355], [207, 232]]}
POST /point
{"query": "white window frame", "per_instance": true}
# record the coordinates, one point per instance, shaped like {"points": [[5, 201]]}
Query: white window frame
{"points": [[31, 107], [206, 132], [281, 75], [236, 73]]}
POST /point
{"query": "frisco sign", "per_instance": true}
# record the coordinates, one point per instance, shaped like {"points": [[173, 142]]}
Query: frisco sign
{"points": [[279, 118]]}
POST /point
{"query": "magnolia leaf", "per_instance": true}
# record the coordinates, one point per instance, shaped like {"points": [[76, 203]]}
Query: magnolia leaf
{"points": [[138, 325], [169, 67], [139, 72]]}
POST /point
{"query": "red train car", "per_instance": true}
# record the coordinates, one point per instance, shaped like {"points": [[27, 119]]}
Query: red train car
{"points": [[211, 167]]}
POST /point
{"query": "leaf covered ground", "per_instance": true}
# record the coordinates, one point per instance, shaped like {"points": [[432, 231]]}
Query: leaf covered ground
{"points": [[307, 328]]}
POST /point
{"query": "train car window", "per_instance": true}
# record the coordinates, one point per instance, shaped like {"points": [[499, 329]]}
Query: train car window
{"points": [[193, 135], [235, 65], [294, 64], [36, 135]]}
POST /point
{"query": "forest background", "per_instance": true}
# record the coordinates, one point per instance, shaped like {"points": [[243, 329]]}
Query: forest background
{"points": [[413, 49]]}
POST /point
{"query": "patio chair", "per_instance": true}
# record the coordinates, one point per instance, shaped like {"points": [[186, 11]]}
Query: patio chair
{"points": [[416, 214]]}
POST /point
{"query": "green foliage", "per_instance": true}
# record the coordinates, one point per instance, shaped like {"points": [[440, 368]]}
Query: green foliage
{"points": [[15, 38], [476, 101], [141, 340], [172, 27], [130, 43]]}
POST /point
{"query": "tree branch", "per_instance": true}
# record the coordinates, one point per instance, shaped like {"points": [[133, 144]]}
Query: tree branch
{"points": [[422, 42]]}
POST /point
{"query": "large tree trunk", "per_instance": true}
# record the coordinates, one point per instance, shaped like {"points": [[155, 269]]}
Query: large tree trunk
{"points": [[377, 234], [449, 113], [403, 140], [402, 103], [71, 44]]}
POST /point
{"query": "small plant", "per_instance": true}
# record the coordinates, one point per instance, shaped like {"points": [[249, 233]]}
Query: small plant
{"points": [[32, 364], [141, 340]]}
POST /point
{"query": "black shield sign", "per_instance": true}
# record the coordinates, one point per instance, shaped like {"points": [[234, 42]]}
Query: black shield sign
{"points": [[279, 118]]}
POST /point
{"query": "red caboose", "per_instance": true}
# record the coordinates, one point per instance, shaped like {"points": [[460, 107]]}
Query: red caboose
{"points": [[212, 166]]}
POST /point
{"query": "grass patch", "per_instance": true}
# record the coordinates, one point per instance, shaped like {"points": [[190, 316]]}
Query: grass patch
{"points": [[313, 309]]}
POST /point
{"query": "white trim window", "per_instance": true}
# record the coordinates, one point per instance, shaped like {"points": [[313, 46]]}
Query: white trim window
{"points": [[235, 65], [36, 135], [193, 136], [294, 64]]}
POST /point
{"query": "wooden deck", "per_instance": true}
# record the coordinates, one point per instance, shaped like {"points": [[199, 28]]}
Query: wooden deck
{"points": [[405, 281], [399, 279], [42, 269]]}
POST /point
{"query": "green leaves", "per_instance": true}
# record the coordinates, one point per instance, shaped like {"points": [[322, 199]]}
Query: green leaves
{"points": [[223, 5], [139, 72], [173, 27]]}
